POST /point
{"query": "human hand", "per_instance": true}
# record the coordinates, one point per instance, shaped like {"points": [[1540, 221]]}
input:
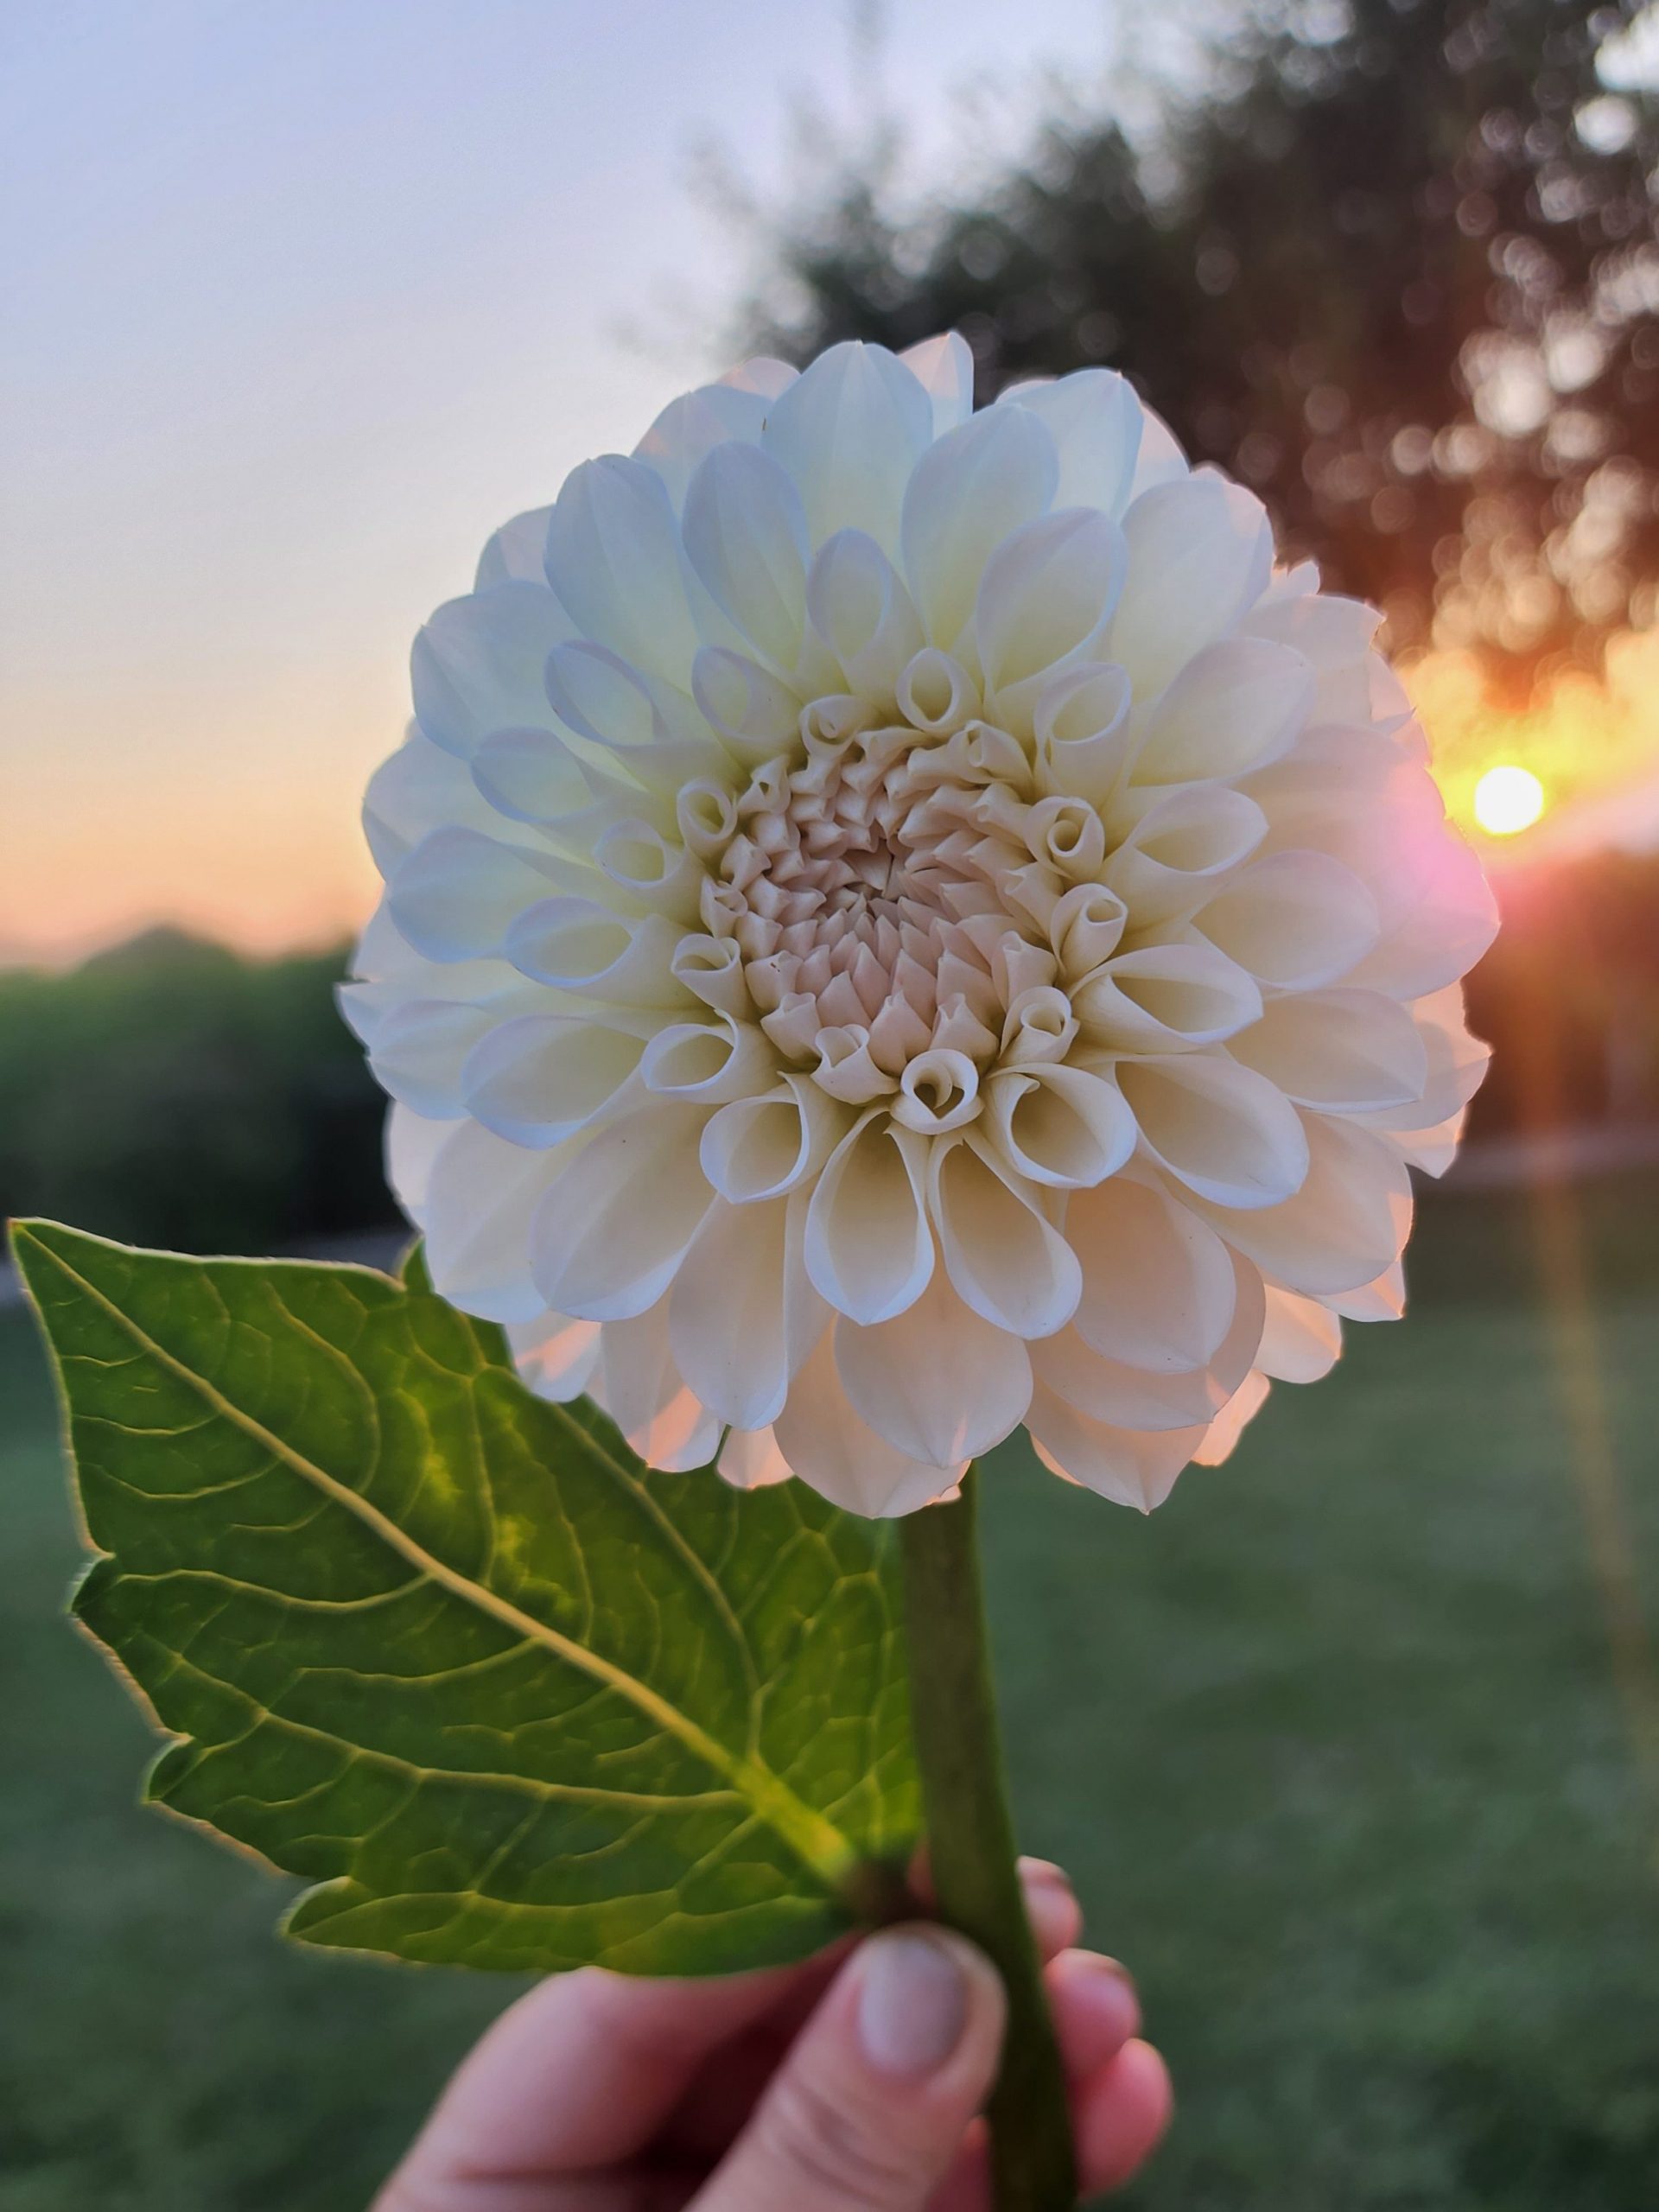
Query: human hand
{"points": [[849, 2084]]}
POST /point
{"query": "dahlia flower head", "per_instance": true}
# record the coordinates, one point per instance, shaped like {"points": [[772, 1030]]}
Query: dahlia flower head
{"points": [[900, 923]]}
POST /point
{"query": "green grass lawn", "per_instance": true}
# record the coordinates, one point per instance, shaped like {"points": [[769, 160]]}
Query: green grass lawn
{"points": [[1331, 1743]]}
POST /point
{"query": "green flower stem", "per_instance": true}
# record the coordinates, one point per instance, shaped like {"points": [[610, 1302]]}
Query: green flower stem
{"points": [[971, 1841]]}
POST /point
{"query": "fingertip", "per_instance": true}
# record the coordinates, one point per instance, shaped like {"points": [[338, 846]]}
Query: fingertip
{"points": [[1122, 2114], [1051, 1905], [1096, 2009]]}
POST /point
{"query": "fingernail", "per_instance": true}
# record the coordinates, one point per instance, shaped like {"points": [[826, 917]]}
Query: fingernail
{"points": [[913, 2003]]}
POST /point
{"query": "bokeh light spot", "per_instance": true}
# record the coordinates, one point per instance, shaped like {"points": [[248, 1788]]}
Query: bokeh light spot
{"points": [[1506, 800]]}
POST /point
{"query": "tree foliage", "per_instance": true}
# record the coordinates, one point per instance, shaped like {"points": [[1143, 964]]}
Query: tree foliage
{"points": [[1394, 266], [171, 1092]]}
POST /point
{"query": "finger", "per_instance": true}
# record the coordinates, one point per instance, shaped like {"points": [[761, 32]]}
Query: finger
{"points": [[723, 2093], [1115, 2115], [578, 2074], [1051, 1905], [1095, 2010], [1120, 2114], [1051, 1902], [868, 2109]]}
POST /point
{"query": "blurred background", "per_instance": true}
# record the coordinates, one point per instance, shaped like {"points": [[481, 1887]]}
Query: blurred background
{"points": [[1355, 1746]]}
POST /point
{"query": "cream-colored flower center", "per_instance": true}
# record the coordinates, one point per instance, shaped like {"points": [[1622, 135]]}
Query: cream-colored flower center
{"points": [[884, 894]]}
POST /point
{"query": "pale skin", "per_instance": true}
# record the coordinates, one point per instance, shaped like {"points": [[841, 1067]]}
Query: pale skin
{"points": [[850, 2084]]}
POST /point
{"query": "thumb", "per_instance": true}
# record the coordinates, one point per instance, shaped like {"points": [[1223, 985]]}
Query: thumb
{"points": [[867, 2110]]}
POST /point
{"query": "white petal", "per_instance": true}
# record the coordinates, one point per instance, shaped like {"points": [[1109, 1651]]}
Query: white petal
{"points": [[1199, 551], [708, 1062], [868, 1247], [646, 1397], [419, 789], [1046, 596], [1456, 1063], [614, 559], [936, 693], [579, 946], [1234, 706], [476, 1218], [457, 895], [742, 1316], [1343, 1228], [938, 1383], [538, 1079], [517, 553], [1160, 459], [943, 367], [1223, 1130], [1158, 1287], [1183, 849], [829, 1447], [763, 374], [746, 537], [1081, 723], [621, 712], [968, 492], [849, 431], [1166, 996], [390, 970], [1008, 1262], [863, 613], [1060, 1126], [1293, 920], [648, 870], [1111, 1390], [413, 1143], [478, 664], [1223, 1432], [757, 714], [1095, 420], [750, 1460], [1382, 1300], [759, 1148], [557, 1358], [419, 1049], [1344, 1051], [692, 426], [1086, 928], [1131, 1467], [612, 1228], [1451, 919], [1302, 1339], [532, 775]]}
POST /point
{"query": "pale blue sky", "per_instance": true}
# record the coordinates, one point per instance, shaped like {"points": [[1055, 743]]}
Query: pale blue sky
{"points": [[303, 296]]}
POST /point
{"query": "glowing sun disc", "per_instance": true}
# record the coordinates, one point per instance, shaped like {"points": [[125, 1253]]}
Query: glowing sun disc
{"points": [[1507, 799]]}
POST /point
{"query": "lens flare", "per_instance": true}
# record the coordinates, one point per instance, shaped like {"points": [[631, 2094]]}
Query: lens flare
{"points": [[1507, 799]]}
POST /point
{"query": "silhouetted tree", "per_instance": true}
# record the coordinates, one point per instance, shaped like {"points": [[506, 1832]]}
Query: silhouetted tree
{"points": [[1394, 267]]}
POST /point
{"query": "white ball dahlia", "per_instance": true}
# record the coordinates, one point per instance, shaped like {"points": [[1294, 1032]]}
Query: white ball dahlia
{"points": [[898, 923]]}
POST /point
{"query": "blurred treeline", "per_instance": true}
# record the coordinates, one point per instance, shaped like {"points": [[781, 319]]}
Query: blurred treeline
{"points": [[170, 1093]]}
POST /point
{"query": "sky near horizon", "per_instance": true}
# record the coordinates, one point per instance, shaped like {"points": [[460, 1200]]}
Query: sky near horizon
{"points": [[303, 301]]}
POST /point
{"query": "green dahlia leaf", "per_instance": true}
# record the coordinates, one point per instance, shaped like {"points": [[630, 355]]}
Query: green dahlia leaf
{"points": [[507, 1696]]}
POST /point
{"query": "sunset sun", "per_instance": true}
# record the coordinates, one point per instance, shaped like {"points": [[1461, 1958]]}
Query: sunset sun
{"points": [[1506, 800]]}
